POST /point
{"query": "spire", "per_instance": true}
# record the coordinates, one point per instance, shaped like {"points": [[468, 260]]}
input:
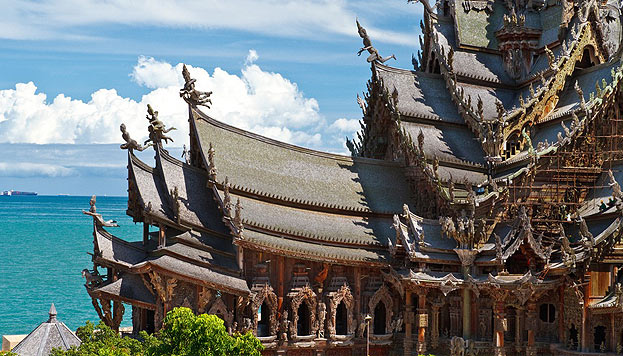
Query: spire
{"points": [[52, 314]]}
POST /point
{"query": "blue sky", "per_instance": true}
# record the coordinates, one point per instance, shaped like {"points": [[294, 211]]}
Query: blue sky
{"points": [[71, 71]]}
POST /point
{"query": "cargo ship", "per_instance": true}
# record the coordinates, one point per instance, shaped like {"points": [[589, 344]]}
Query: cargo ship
{"points": [[16, 192]]}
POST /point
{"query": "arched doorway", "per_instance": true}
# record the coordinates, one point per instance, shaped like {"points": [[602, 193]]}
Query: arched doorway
{"points": [[303, 324], [341, 319], [599, 337], [263, 321], [380, 315]]}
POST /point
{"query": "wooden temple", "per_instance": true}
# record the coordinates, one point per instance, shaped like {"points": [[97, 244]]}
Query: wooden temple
{"points": [[480, 212]]}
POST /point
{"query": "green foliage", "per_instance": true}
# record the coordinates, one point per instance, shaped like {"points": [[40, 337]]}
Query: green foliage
{"points": [[103, 341], [183, 334], [7, 353]]}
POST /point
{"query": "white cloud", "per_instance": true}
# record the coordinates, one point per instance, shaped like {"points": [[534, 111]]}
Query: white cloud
{"points": [[255, 100], [348, 126], [25, 169], [314, 19], [251, 57], [153, 74]]}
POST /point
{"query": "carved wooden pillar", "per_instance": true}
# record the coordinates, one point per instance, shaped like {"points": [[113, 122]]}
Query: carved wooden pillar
{"points": [[357, 295], [518, 340], [408, 320], [561, 315], [434, 329], [613, 335], [467, 260], [500, 327], [422, 319], [145, 233], [531, 326], [162, 240], [499, 296], [587, 290], [467, 313], [280, 284]]}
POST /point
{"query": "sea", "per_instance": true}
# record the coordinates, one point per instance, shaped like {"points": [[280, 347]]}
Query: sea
{"points": [[44, 245]]}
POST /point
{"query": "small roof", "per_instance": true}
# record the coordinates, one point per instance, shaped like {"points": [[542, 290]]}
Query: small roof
{"points": [[47, 336]]}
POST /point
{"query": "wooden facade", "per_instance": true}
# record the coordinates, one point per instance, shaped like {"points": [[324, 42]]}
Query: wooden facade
{"points": [[480, 212]]}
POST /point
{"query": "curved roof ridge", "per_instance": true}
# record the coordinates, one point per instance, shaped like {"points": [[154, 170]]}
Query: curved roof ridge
{"points": [[401, 70], [164, 154], [107, 235], [137, 161], [289, 146]]}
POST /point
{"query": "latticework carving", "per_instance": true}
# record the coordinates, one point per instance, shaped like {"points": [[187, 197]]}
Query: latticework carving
{"points": [[382, 296], [266, 294], [303, 295], [341, 295]]}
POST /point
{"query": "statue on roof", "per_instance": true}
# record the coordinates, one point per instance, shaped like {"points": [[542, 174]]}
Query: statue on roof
{"points": [[616, 188], [212, 167], [97, 218], [362, 104], [192, 95], [130, 143], [528, 141], [568, 255], [157, 129], [367, 46], [551, 58], [186, 154], [237, 220]]}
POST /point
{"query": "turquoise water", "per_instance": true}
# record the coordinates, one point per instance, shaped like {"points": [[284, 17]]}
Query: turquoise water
{"points": [[44, 242]]}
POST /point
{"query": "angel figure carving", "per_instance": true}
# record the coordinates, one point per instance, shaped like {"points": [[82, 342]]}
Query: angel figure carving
{"points": [[157, 129], [192, 95], [367, 46], [130, 143], [97, 217]]}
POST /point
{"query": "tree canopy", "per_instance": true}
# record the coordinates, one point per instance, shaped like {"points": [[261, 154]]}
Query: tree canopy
{"points": [[183, 334]]}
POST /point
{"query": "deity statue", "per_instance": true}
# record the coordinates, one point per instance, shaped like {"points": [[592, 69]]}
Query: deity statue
{"points": [[192, 95], [367, 46]]}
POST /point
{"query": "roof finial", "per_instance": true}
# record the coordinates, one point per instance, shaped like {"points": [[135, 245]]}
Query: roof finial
{"points": [[52, 314], [192, 95]]}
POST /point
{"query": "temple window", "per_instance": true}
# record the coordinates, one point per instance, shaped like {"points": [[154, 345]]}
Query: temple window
{"points": [[512, 146], [547, 313], [303, 325], [263, 320], [380, 315], [510, 314], [341, 319], [436, 68], [517, 263], [600, 280], [599, 336], [588, 59]]}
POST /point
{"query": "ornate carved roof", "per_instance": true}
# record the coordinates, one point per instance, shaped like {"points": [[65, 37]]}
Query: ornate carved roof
{"points": [[296, 176]]}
